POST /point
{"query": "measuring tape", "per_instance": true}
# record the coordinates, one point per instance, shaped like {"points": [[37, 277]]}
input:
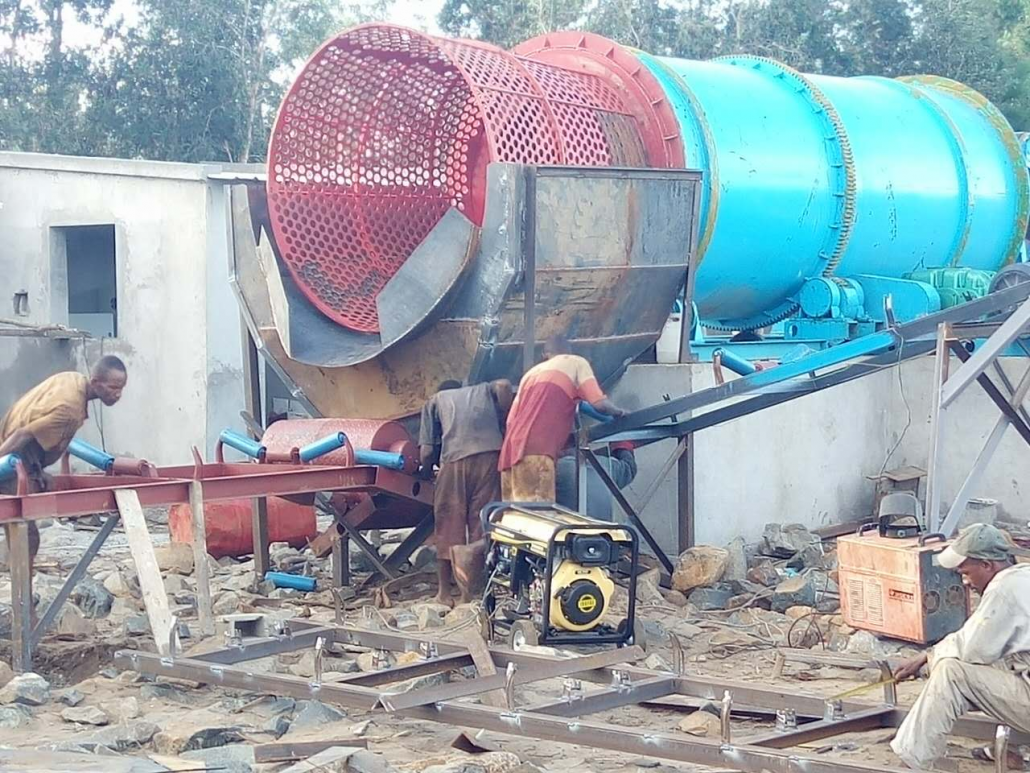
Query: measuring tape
{"points": [[863, 688]]}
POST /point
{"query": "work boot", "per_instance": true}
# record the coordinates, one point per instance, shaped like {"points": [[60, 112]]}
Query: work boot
{"points": [[468, 563]]}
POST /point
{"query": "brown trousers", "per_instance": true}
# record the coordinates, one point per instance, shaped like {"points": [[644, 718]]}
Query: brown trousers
{"points": [[463, 489], [530, 480]]}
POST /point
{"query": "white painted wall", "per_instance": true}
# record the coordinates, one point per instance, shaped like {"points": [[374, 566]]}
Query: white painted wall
{"points": [[179, 328]]}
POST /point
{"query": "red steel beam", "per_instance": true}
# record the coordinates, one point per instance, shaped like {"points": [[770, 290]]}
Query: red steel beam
{"points": [[75, 495]]}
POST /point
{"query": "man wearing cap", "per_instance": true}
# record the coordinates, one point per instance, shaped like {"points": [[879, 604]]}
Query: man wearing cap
{"points": [[984, 665]]}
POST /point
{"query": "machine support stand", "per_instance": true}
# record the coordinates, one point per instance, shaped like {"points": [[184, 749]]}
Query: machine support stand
{"points": [[632, 514], [77, 573], [946, 389], [20, 560]]}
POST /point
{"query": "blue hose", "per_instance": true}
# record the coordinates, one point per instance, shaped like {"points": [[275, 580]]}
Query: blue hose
{"points": [[588, 410], [738, 365], [294, 581], [379, 459], [323, 446], [9, 466], [243, 444], [91, 455]]}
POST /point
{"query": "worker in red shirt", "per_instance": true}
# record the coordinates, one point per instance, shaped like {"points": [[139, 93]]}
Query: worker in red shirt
{"points": [[541, 419]]}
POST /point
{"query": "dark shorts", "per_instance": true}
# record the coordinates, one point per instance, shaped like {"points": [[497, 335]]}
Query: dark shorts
{"points": [[463, 489]]}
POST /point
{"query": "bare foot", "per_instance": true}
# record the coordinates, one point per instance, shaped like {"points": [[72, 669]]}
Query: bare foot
{"points": [[445, 599]]}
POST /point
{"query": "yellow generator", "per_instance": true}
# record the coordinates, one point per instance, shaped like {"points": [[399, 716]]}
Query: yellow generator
{"points": [[551, 576]]}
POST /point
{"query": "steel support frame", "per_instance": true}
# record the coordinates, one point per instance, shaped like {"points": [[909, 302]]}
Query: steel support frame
{"points": [[76, 495], [946, 389], [560, 721]]}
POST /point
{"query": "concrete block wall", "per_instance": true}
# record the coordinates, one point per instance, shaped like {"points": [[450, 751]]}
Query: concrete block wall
{"points": [[179, 327]]}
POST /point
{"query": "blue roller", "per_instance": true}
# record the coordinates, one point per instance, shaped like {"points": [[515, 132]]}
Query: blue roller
{"points": [[242, 444], [294, 581], [9, 466], [739, 365], [379, 459], [322, 446], [91, 455], [810, 175]]}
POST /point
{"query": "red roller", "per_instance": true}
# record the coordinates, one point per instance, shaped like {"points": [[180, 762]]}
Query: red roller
{"points": [[284, 436], [229, 525], [386, 129]]}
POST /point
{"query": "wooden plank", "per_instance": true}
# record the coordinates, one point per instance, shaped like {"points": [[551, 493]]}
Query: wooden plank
{"points": [[300, 750], [20, 561], [484, 665], [201, 567], [154, 597]]}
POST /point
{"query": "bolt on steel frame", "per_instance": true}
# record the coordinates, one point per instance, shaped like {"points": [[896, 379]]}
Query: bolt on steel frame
{"points": [[1000, 318], [563, 721]]}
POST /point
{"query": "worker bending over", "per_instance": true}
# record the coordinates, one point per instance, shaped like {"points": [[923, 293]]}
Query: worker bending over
{"points": [[541, 420], [985, 664], [41, 424], [463, 429]]}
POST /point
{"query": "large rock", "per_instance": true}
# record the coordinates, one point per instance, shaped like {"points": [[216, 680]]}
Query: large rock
{"points": [[277, 726], [121, 738], [785, 540], [364, 761], [13, 717], [70, 697], [6, 673], [793, 592], [699, 567], [430, 615], [403, 620], [86, 715], [73, 624], [168, 692], [708, 599], [238, 758], [117, 585], [314, 714], [335, 759], [26, 689], [92, 598], [226, 603], [702, 723], [137, 625], [175, 557], [736, 566], [764, 574]]}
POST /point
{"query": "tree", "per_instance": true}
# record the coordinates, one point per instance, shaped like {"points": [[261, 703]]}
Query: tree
{"points": [[41, 78], [201, 81], [507, 23]]}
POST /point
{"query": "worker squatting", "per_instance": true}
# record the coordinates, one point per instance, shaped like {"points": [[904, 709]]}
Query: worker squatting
{"points": [[491, 443]]}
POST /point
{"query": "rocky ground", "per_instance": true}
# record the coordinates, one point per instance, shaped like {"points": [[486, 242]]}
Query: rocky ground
{"points": [[729, 608]]}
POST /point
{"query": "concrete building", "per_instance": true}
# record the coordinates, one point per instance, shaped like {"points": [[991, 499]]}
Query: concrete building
{"points": [[135, 253]]}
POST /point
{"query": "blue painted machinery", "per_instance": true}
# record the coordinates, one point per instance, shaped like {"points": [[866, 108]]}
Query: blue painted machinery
{"points": [[823, 196]]}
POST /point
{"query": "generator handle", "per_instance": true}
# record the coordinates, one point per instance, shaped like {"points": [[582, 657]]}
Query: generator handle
{"points": [[863, 528], [924, 538]]}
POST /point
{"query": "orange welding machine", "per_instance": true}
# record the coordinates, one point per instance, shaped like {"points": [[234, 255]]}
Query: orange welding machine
{"points": [[892, 584]]}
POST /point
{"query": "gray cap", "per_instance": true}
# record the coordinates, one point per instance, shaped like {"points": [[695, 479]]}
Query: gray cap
{"points": [[982, 542]]}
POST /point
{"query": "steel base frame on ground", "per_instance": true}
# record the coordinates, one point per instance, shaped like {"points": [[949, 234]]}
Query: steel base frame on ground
{"points": [[559, 721]]}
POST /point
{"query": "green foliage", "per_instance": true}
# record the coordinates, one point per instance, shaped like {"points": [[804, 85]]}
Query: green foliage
{"points": [[201, 80]]}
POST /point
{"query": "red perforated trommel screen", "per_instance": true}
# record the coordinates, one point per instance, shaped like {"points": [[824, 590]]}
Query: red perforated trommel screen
{"points": [[385, 129]]}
